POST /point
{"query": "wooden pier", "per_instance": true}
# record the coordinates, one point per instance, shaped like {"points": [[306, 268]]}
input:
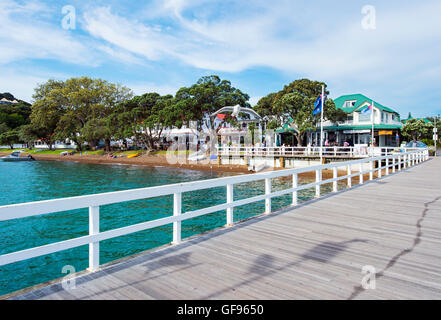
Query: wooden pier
{"points": [[316, 250]]}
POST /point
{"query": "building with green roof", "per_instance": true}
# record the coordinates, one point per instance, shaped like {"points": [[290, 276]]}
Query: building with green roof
{"points": [[410, 118], [357, 129]]}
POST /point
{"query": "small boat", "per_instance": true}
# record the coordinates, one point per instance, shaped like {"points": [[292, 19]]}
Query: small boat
{"points": [[133, 155], [15, 156]]}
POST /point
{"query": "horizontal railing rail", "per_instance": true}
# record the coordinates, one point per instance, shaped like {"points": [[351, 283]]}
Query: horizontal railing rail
{"points": [[391, 162], [310, 151]]}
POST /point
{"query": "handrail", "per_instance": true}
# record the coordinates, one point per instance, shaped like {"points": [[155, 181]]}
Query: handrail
{"points": [[395, 162], [309, 151]]}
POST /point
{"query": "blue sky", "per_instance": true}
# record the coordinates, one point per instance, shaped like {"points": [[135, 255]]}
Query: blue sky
{"points": [[259, 45]]}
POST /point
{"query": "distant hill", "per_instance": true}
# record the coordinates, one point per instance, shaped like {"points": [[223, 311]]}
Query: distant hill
{"points": [[8, 98], [14, 113]]}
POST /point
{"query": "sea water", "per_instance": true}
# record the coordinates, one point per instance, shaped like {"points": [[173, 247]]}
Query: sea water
{"points": [[41, 180]]}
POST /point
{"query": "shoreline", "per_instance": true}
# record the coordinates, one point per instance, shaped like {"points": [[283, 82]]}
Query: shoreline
{"points": [[161, 161], [148, 161]]}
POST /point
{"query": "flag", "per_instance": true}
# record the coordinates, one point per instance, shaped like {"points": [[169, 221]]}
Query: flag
{"points": [[317, 105], [367, 110]]}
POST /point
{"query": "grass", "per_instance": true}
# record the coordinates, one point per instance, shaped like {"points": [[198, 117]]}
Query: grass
{"points": [[97, 152]]}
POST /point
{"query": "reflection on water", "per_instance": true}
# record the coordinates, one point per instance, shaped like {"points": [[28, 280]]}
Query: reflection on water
{"points": [[33, 181]]}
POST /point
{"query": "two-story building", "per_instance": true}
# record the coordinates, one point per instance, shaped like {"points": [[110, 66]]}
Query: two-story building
{"points": [[357, 129]]}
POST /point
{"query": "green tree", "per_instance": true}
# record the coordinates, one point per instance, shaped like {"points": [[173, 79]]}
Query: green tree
{"points": [[145, 117], [64, 108], [417, 129], [206, 96], [9, 138], [48, 107], [295, 103]]}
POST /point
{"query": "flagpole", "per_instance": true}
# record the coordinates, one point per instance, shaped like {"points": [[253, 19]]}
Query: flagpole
{"points": [[372, 116], [321, 124]]}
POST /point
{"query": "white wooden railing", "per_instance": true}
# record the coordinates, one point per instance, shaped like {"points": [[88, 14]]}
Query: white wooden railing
{"points": [[311, 151], [392, 163]]}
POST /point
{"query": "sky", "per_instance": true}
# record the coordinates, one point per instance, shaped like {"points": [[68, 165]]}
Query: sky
{"points": [[390, 52]]}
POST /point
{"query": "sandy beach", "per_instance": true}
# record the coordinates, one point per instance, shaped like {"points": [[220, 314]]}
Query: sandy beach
{"points": [[161, 161], [143, 160]]}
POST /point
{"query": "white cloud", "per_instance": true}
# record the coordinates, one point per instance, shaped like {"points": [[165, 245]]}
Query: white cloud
{"points": [[301, 39], [19, 84], [240, 40], [129, 35], [24, 35]]}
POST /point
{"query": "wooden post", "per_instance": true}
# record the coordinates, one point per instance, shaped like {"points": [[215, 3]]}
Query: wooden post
{"points": [[177, 208], [348, 173], [318, 178], [335, 176], [387, 166], [393, 165], [360, 168], [371, 171], [268, 191], [295, 182], [94, 247], [282, 162]]}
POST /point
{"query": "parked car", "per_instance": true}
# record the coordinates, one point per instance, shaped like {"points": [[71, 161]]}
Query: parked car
{"points": [[416, 144]]}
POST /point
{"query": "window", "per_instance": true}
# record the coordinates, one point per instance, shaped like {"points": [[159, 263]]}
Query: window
{"points": [[350, 104], [364, 117]]}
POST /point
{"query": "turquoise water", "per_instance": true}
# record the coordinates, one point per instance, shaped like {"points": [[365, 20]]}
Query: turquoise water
{"points": [[33, 181]]}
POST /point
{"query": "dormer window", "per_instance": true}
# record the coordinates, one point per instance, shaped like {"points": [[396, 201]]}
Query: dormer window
{"points": [[350, 104]]}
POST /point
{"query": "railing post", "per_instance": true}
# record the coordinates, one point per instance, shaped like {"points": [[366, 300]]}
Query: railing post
{"points": [[230, 199], [318, 179], [295, 184], [371, 171], [268, 191], [349, 172], [380, 173], [335, 182], [393, 165], [387, 166], [177, 210], [360, 168], [94, 247]]}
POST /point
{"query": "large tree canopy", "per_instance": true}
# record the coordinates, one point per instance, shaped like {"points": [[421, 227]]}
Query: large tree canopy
{"points": [[145, 117], [76, 109], [205, 97], [417, 129], [296, 101]]}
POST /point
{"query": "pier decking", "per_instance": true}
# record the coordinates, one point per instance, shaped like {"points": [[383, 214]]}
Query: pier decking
{"points": [[313, 251]]}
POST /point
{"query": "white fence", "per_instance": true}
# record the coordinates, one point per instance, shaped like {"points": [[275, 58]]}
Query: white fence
{"points": [[310, 151], [391, 163]]}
